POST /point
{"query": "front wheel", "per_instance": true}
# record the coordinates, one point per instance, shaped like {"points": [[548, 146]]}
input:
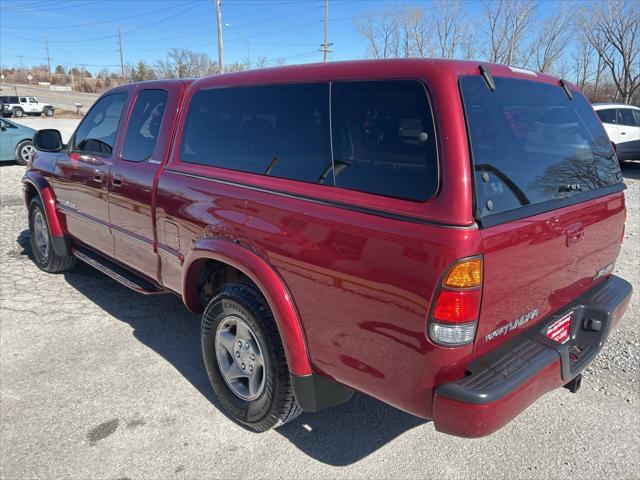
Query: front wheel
{"points": [[44, 255], [18, 112], [245, 359], [24, 152]]}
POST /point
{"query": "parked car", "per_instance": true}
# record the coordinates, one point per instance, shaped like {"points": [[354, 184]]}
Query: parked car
{"points": [[20, 106], [340, 230], [15, 142], [622, 123]]}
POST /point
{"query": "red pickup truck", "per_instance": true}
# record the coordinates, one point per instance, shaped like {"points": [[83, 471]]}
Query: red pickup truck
{"points": [[437, 234]]}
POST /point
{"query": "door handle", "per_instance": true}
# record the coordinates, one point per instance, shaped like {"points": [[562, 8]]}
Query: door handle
{"points": [[574, 235], [98, 176], [623, 133], [117, 180]]}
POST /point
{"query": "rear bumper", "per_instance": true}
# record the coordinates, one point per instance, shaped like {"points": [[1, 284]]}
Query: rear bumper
{"points": [[504, 382]]}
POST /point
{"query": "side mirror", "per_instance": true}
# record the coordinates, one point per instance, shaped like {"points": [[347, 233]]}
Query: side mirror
{"points": [[48, 140]]}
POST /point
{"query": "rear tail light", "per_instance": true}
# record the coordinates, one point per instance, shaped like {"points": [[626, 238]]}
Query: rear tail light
{"points": [[455, 312]]}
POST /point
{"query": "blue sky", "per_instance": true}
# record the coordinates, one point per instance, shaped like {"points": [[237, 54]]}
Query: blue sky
{"points": [[84, 32]]}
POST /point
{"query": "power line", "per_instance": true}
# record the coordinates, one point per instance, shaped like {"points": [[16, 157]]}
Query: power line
{"points": [[114, 20]]}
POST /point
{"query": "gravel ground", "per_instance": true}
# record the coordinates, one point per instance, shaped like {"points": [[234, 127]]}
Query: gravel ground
{"points": [[99, 382]]}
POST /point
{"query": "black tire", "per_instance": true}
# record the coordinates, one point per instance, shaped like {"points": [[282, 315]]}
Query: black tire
{"points": [[39, 114], [48, 112], [21, 159], [18, 112], [51, 262], [276, 405]]}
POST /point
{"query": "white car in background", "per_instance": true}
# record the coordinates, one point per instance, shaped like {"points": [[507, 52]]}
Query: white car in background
{"points": [[622, 123]]}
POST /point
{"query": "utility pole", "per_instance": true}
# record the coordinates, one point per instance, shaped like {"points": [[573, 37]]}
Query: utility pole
{"points": [[20, 57], [46, 49], [219, 19], [121, 56], [324, 48]]}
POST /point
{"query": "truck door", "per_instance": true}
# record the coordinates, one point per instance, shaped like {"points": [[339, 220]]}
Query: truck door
{"points": [[83, 172], [33, 106], [146, 143]]}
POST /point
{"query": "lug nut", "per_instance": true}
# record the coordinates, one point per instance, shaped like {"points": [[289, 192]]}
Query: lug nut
{"points": [[243, 366], [237, 354], [253, 357], [246, 344], [251, 368], [239, 343]]}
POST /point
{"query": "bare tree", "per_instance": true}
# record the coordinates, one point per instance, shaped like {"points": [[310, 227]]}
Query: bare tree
{"points": [[181, 63], [381, 32], [549, 44], [584, 59], [613, 29], [447, 19], [508, 23]]}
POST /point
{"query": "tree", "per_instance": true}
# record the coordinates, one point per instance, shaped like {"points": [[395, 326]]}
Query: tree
{"points": [[551, 40], [141, 72], [59, 70], [508, 23], [448, 26], [181, 63], [613, 29], [381, 32]]}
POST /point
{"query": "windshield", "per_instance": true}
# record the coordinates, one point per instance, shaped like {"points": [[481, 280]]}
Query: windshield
{"points": [[531, 144]]}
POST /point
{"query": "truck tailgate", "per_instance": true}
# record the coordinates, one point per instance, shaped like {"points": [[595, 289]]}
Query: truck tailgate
{"points": [[535, 266]]}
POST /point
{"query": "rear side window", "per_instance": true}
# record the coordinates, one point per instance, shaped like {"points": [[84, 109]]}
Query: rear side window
{"points": [[626, 117], [275, 130], [608, 115], [144, 125], [97, 131], [383, 139], [636, 116], [531, 144]]}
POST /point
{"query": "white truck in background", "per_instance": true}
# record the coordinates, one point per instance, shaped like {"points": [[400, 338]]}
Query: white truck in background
{"points": [[19, 106]]}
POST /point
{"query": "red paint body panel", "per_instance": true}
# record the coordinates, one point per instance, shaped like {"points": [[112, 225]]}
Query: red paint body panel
{"points": [[361, 283], [350, 276], [478, 420]]}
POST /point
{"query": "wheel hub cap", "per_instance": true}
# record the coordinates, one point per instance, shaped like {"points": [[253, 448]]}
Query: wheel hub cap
{"points": [[41, 234], [27, 153], [240, 358]]}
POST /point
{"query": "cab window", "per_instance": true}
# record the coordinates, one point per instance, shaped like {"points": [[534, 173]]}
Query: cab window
{"points": [[97, 132], [144, 125]]}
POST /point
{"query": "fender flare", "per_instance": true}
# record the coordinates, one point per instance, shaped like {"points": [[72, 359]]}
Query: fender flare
{"points": [[57, 227], [267, 280]]}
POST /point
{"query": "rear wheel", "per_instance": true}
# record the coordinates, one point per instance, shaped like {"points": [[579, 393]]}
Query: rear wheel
{"points": [[245, 359], [44, 255], [49, 112], [24, 152]]}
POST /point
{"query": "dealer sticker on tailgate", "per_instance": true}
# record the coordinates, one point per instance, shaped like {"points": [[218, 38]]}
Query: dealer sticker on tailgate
{"points": [[560, 329]]}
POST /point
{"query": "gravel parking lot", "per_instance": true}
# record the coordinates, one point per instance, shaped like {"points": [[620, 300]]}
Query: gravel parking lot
{"points": [[99, 382]]}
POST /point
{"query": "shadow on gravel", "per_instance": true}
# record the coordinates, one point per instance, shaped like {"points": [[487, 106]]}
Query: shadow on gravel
{"points": [[631, 170], [339, 436]]}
